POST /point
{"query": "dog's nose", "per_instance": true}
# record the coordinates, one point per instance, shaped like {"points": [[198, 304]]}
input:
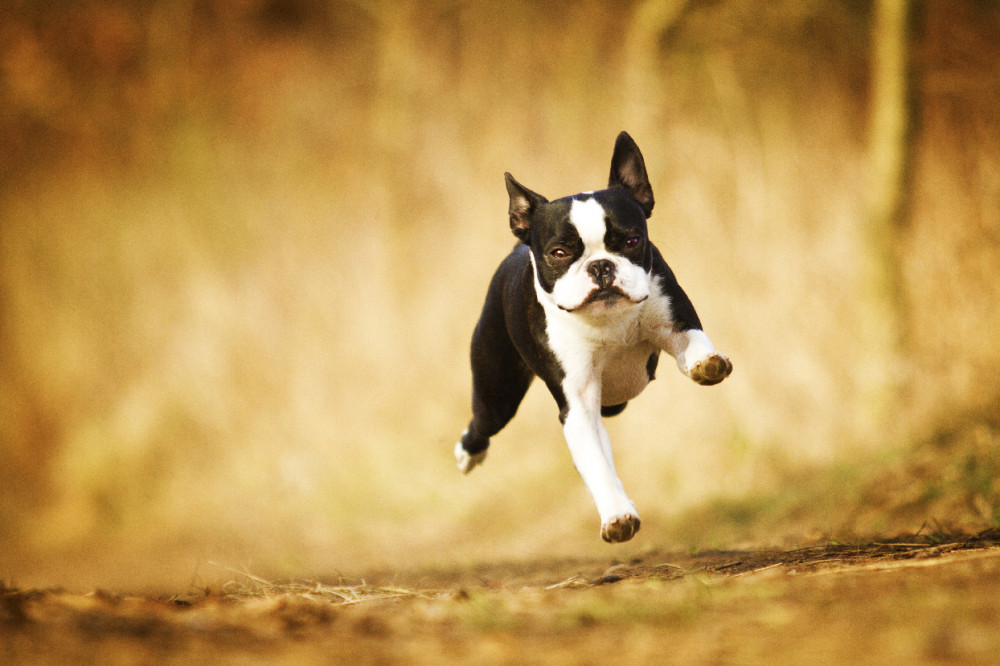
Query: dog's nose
{"points": [[603, 272]]}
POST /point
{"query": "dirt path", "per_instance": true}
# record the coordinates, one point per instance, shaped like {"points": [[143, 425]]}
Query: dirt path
{"points": [[916, 600]]}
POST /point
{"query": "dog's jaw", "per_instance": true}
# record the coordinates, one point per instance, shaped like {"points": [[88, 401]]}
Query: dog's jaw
{"points": [[604, 301]]}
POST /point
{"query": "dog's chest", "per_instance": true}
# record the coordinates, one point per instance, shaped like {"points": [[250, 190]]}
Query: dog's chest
{"points": [[625, 373], [615, 349]]}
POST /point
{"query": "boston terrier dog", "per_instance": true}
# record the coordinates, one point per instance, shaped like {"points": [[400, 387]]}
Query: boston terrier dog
{"points": [[585, 302]]}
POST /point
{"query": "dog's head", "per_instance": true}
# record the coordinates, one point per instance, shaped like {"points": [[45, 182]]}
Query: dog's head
{"points": [[590, 251]]}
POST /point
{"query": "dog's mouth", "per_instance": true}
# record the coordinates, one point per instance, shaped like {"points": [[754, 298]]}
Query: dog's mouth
{"points": [[607, 297]]}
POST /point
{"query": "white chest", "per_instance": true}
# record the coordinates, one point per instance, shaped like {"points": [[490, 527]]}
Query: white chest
{"points": [[609, 352]]}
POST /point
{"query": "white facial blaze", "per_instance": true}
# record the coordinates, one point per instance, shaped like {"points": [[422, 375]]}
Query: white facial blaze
{"points": [[572, 289], [588, 218]]}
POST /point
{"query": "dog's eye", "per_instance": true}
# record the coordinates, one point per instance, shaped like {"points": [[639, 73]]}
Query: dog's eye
{"points": [[558, 253], [632, 242]]}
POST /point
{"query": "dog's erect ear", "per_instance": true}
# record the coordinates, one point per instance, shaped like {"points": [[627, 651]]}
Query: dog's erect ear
{"points": [[522, 204], [628, 170]]}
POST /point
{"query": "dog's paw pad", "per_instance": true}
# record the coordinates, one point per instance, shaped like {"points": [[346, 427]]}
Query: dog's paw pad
{"points": [[711, 370], [468, 461], [620, 528]]}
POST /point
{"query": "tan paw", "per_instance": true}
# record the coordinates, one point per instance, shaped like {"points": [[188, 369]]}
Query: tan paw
{"points": [[621, 528], [711, 370]]}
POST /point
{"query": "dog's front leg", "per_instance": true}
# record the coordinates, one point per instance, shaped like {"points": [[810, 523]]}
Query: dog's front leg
{"points": [[591, 451], [696, 356]]}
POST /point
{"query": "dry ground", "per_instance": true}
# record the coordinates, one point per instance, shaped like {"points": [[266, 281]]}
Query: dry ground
{"points": [[921, 599]]}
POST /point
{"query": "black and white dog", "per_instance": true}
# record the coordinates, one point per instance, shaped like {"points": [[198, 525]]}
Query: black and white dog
{"points": [[585, 302]]}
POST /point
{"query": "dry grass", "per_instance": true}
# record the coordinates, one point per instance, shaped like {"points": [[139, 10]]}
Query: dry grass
{"points": [[248, 586]]}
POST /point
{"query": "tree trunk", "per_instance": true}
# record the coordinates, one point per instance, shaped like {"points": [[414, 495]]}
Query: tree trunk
{"points": [[888, 192]]}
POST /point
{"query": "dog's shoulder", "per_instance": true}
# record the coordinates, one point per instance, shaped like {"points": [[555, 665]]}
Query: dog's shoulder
{"points": [[681, 310], [512, 272]]}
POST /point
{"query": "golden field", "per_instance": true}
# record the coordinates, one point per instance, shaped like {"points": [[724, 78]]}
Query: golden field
{"points": [[243, 246]]}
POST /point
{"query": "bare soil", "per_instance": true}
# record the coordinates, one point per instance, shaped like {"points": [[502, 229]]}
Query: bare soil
{"points": [[920, 599]]}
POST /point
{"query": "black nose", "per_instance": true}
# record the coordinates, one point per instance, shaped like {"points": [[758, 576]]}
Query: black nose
{"points": [[603, 272]]}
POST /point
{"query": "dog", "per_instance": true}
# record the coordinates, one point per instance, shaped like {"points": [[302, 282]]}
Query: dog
{"points": [[586, 303]]}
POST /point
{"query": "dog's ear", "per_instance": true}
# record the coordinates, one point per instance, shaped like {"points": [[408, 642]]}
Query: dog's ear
{"points": [[628, 170], [522, 204]]}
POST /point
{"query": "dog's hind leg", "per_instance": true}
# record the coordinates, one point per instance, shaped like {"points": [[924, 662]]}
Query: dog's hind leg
{"points": [[499, 381]]}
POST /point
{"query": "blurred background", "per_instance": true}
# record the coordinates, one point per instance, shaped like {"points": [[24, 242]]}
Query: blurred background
{"points": [[243, 246]]}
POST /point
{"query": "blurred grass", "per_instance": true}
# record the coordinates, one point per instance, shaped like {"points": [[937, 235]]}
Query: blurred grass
{"points": [[945, 484], [242, 248]]}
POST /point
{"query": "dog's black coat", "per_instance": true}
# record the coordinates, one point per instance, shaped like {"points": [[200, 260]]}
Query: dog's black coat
{"points": [[509, 344], [512, 341]]}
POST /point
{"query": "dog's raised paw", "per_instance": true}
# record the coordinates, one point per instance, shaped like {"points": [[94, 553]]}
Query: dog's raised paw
{"points": [[711, 370], [466, 461], [621, 528]]}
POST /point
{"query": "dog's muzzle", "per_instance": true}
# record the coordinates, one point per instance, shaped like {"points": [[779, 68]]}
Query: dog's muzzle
{"points": [[603, 272]]}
